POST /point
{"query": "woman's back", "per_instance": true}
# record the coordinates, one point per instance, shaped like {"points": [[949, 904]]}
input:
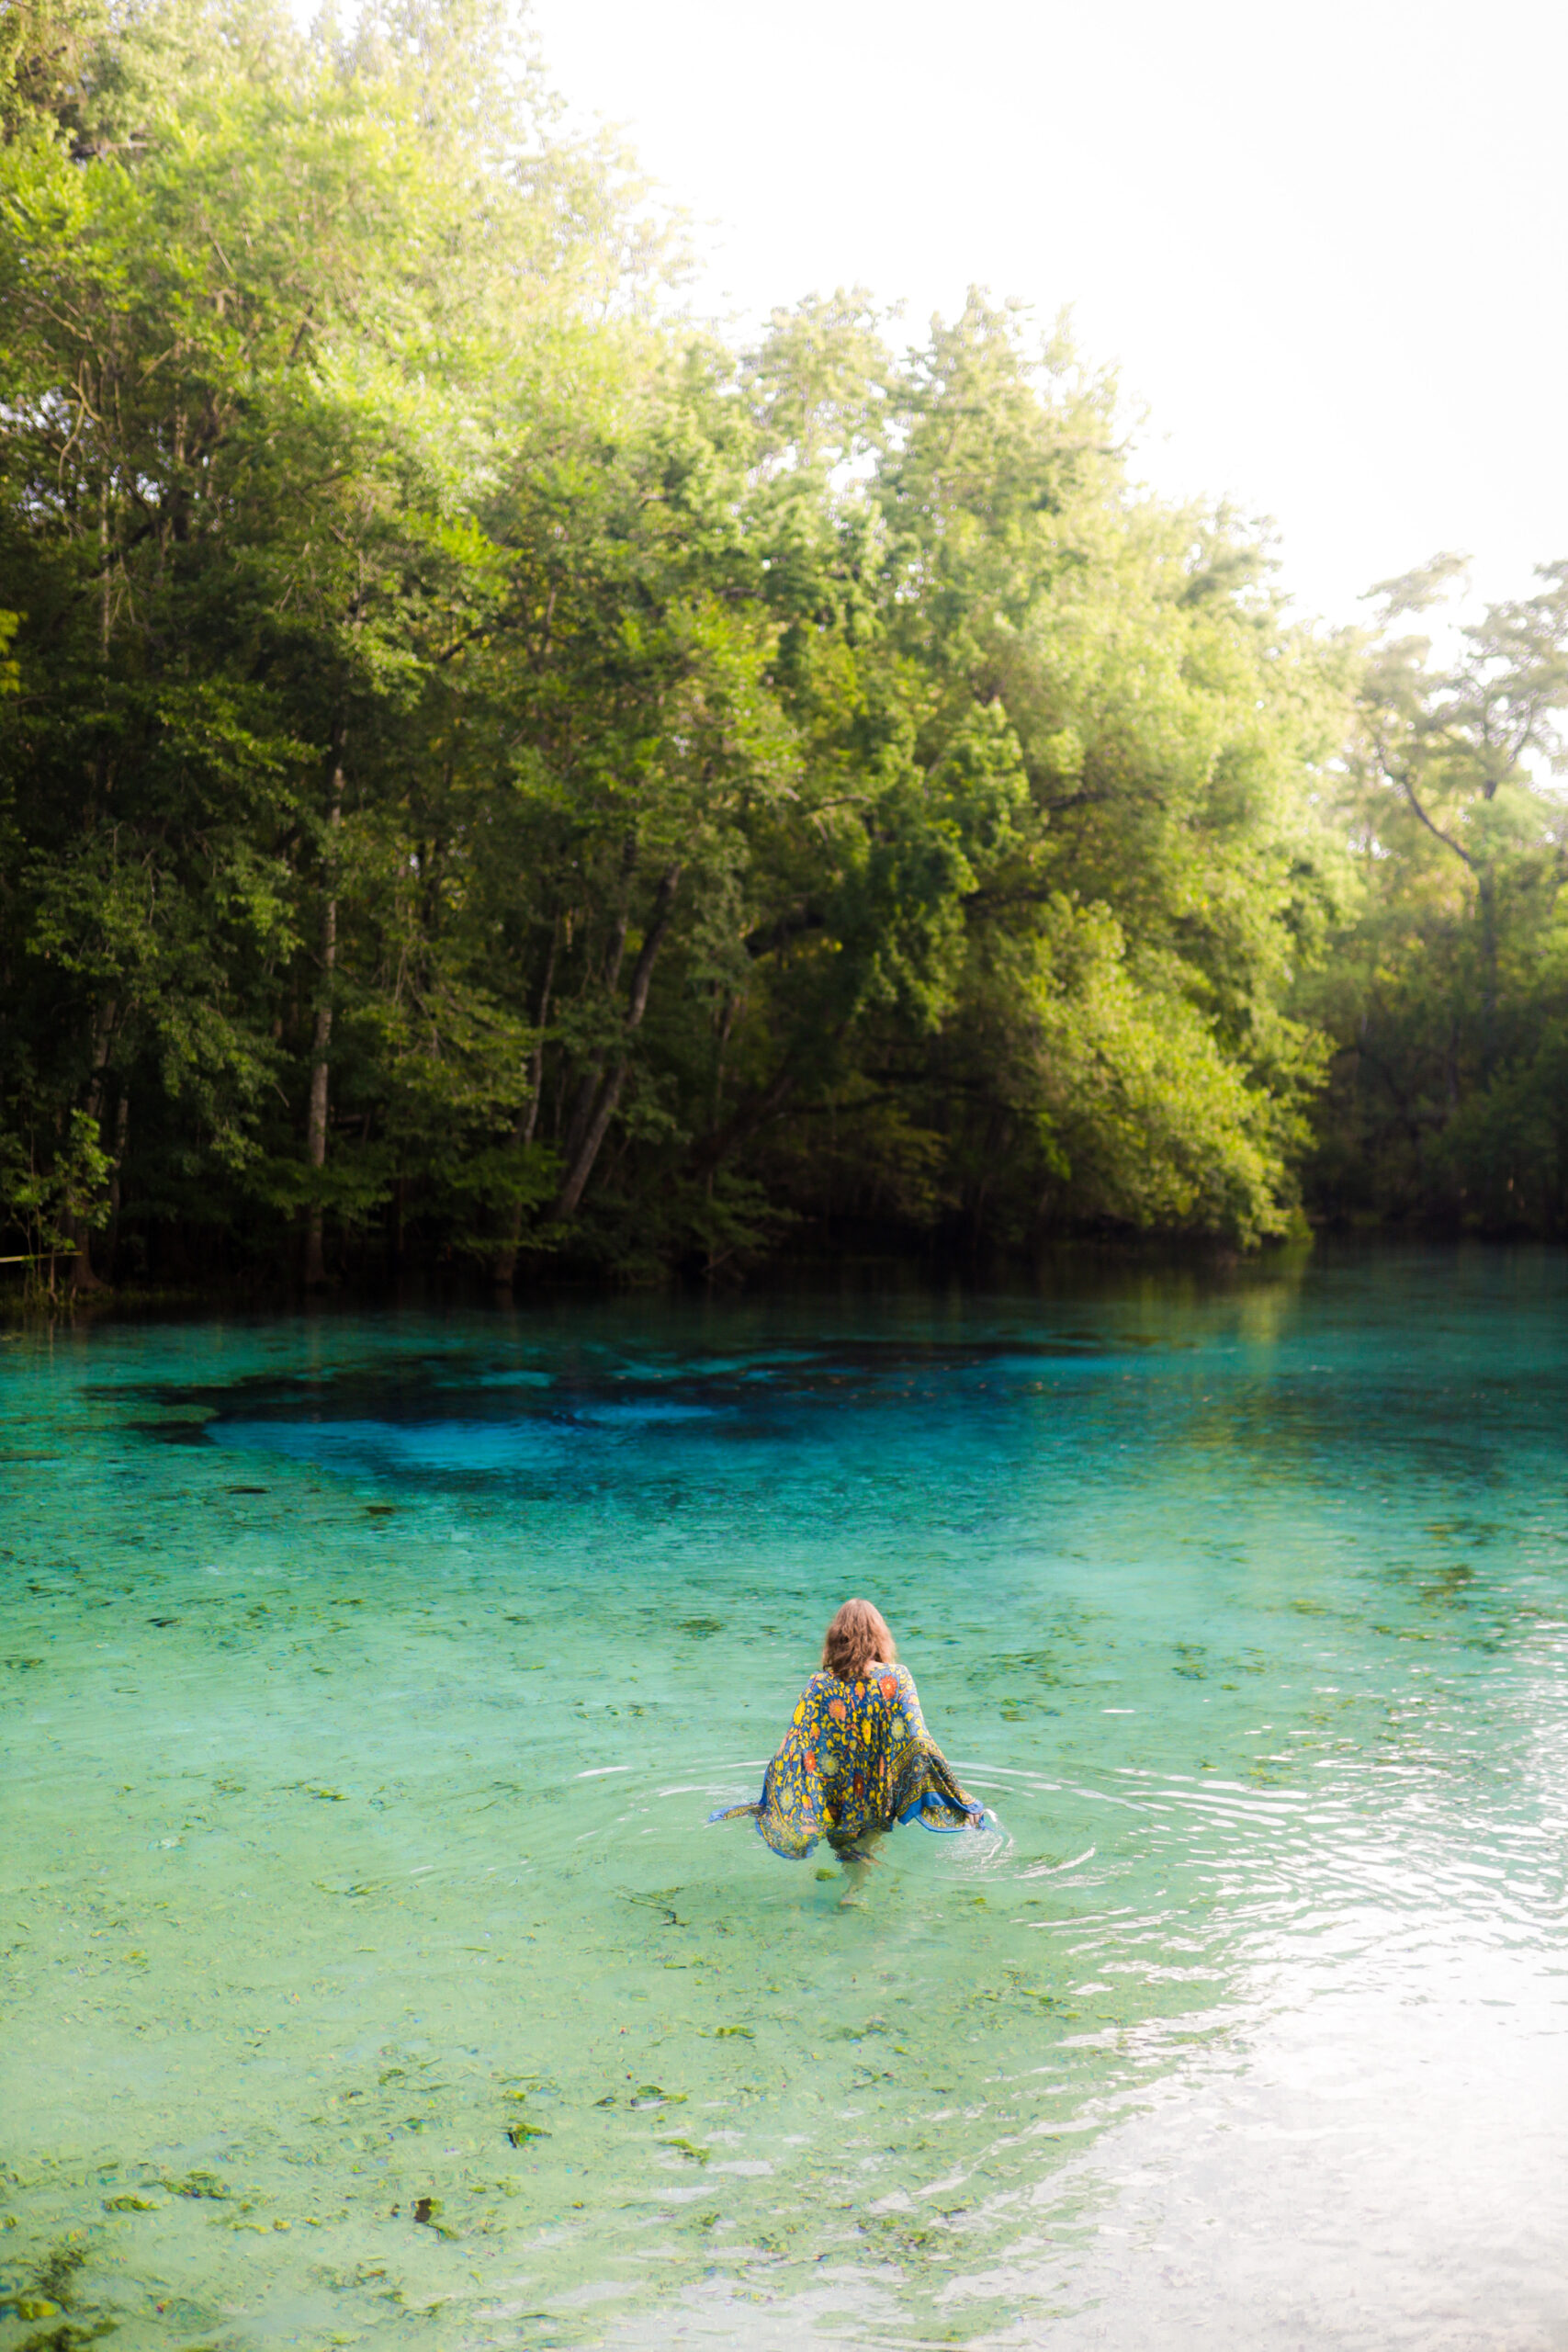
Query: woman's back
{"points": [[857, 1759], [860, 1728]]}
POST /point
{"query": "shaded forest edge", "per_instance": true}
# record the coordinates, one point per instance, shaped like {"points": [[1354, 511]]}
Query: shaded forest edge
{"points": [[495, 778]]}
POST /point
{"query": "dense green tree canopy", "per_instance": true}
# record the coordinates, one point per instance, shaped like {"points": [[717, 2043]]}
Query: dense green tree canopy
{"points": [[1448, 992], [487, 769]]}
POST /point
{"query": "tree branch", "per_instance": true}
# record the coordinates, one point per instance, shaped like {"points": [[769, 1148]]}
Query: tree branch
{"points": [[1436, 830]]}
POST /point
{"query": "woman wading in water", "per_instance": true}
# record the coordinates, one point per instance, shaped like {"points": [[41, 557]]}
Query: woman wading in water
{"points": [[858, 1759]]}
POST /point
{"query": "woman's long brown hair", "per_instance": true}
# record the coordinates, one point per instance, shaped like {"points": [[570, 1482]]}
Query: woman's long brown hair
{"points": [[858, 1637]]}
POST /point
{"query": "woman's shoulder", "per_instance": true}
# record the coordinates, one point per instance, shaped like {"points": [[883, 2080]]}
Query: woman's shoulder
{"points": [[824, 1684], [892, 1684], [874, 1677]]}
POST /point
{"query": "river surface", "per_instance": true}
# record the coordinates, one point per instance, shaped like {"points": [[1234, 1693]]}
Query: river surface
{"points": [[370, 1976]]}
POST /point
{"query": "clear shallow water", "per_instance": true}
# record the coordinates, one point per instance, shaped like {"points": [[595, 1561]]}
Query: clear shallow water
{"points": [[366, 1683]]}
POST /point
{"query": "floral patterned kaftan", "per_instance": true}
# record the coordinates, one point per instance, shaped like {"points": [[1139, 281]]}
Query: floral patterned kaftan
{"points": [[857, 1759]]}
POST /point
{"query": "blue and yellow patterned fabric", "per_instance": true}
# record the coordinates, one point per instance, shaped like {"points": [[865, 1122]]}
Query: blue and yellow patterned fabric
{"points": [[856, 1759]]}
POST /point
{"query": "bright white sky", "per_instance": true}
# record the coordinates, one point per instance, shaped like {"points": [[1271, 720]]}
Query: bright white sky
{"points": [[1325, 245]]}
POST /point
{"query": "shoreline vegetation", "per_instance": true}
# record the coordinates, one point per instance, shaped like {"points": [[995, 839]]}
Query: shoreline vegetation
{"points": [[499, 782]]}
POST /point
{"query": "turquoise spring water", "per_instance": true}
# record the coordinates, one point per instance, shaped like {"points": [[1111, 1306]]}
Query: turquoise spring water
{"points": [[370, 1977]]}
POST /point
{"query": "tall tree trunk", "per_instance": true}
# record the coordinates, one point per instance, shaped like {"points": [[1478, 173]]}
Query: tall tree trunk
{"points": [[320, 1063], [587, 1090], [580, 1165], [727, 1023], [121, 1136], [82, 1274], [104, 564], [1486, 891], [505, 1264]]}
